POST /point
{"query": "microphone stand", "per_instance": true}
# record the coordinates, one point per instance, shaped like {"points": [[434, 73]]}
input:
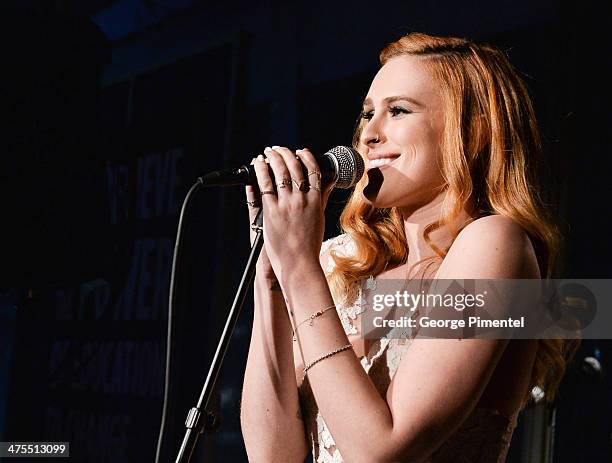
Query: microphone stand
{"points": [[193, 423]]}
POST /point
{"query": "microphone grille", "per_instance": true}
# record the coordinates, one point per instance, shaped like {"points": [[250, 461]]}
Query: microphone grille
{"points": [[350, 166]]}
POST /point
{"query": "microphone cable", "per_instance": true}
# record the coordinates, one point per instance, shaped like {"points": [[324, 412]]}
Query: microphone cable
{"points": [[178, 246]]}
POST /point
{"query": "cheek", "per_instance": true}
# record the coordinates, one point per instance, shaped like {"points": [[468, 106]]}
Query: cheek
{"points": [[420, 163], [421, 156], [417, 139]]}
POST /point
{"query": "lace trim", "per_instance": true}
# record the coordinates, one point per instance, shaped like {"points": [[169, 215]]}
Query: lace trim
{"points": [[348, 311]]}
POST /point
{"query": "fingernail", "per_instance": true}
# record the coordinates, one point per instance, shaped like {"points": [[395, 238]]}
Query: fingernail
{"points": [[260, 157], [298, 151], [267, 149], [275, 147]]}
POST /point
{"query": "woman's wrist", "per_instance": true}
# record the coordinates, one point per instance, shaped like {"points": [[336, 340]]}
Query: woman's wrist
{"points": [[265, 277], [301, 272]]}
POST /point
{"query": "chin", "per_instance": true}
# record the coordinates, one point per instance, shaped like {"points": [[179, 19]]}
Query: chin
{"points": [[382, 200], [387, 188]]}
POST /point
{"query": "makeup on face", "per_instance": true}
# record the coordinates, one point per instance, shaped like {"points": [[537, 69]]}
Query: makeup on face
{"points": [[401, 132]]}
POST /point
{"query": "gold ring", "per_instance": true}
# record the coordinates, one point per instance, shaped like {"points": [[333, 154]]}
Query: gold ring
{"points": [[284, 183], [317, 184], [302, 185]]}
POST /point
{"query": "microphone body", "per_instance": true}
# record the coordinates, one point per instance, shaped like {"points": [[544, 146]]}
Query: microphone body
{"points": [[341, 166]]}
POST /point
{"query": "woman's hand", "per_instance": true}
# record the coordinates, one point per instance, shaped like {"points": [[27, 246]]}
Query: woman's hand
{"points": [[293, 209]]}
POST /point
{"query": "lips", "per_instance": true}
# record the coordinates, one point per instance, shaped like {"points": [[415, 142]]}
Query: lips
{"points": [[381, 160]]}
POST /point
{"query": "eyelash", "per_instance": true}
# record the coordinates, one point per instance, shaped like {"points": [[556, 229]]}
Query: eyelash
{"points": [[394, 110]]}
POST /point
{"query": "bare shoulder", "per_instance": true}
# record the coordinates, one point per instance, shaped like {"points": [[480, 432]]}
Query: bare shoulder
{"points": [[491, 247], [493, 229]]}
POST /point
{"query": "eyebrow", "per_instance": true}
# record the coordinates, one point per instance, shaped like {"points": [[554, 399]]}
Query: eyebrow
{"points": [[392, 99]]}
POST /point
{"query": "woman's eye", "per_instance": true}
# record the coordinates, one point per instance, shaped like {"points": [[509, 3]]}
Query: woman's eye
{"points": [[396, 110], [367, 115]]}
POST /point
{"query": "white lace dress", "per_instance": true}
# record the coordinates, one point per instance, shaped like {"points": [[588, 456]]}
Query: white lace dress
{"points": [[484, 437]]}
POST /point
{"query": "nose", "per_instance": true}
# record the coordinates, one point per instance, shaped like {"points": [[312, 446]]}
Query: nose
{"points": [[371, 133]]}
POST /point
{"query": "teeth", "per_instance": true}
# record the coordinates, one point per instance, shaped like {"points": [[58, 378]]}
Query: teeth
{"points": [[381, 162]]}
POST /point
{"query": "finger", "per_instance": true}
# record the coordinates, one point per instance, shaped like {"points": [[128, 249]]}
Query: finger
{"points": [[282, 177], [296, 172], [253, 198], [313, 170], [264, 181]]}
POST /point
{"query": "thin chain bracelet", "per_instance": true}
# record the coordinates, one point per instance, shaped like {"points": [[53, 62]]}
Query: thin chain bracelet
{"points": [[311, 318], [323, 357]]}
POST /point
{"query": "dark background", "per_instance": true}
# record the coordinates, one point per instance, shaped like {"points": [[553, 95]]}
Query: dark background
{"points": [[111, 109]]}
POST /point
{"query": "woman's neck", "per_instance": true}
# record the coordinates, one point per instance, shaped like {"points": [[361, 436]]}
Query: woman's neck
{"points": [[415, 222]]}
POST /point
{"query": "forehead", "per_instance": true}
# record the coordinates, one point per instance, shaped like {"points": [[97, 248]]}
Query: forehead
{"points": [[404, 75]]}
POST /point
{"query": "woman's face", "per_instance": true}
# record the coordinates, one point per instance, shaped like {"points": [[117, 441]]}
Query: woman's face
{"points": [[401, 136]]}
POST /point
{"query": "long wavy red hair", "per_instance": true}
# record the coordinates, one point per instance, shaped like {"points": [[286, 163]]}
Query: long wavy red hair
{"points": [[491, 151]]}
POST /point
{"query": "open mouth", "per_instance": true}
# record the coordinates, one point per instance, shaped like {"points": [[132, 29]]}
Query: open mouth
{"points": [[381, 162]]}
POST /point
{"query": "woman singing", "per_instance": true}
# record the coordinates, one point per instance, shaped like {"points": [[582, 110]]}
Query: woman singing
{"points": [[451, 145]]}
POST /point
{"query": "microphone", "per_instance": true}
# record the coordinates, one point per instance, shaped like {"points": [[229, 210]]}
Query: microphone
{"points": [[341, 166]]}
